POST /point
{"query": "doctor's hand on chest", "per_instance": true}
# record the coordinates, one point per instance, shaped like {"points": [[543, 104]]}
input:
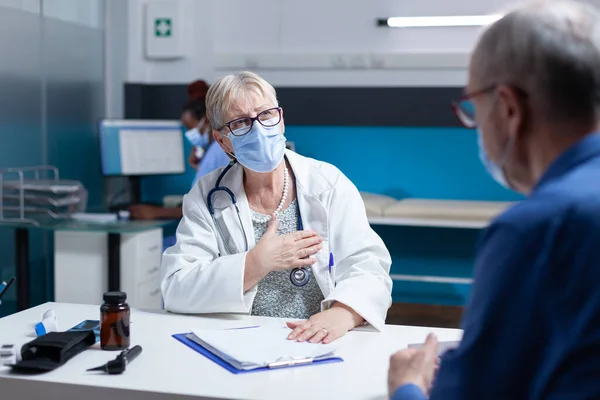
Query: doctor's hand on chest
{"points": [[273, 253]]}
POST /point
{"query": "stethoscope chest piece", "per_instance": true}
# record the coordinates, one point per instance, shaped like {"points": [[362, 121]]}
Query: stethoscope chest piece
{"points": [[300, 276]]}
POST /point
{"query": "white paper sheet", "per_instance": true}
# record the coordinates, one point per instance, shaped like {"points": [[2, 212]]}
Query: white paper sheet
{"points": [[257, 347]]}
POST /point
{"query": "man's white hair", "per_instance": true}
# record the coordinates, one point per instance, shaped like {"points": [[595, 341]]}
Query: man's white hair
{"points": [[551, 51], [231, 88]]}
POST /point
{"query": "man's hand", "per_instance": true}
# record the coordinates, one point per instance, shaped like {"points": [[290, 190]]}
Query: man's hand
{"points": [[325, 326], [416, 366]]}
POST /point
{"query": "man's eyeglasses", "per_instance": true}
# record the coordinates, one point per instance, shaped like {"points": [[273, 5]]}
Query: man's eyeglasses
{"points": [[465, 110], [267, 118]]}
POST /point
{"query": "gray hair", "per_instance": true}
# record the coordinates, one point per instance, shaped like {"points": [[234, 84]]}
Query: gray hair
{"points": [[551, 50], [230, 88]]}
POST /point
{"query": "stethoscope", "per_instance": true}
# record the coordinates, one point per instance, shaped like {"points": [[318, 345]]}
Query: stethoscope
{"points": [[299, 276]]}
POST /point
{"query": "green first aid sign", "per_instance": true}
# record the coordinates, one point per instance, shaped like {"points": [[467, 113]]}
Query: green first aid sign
{"points": [[163, 27]]}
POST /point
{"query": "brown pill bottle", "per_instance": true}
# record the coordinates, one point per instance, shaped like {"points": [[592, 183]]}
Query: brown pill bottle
{"points": [[114, 322]]}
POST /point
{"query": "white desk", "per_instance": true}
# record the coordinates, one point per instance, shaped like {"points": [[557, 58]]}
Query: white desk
{"points": [[167, 369]]}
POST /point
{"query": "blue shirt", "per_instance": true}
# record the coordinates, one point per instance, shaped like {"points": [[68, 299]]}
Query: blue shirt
{"points": [[532, 325], [214, 158], [409, 392]]}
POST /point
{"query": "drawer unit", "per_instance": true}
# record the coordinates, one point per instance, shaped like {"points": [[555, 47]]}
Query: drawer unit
{"points": [[81, 267], [148, 295]]}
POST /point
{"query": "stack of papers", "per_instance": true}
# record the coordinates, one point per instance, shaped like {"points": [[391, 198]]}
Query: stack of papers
{"points": [[259, 347]]}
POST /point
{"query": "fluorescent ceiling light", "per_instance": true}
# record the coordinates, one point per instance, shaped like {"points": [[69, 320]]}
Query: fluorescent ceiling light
{"points": [[415, 22]]}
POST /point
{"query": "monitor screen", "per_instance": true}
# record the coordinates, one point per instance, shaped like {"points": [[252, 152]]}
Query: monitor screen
{"points": [[135, 147]]}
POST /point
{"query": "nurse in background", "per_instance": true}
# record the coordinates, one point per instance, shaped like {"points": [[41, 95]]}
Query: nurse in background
{"points": [[206, 156]]}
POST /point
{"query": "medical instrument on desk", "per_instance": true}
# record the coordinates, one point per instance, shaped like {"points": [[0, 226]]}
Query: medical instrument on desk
{"points": [[298, 276], [49, 323], [118, 365]]}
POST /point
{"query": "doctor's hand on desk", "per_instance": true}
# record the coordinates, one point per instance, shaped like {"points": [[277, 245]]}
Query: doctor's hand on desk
{"points": [[284, 252], [325, 326]]}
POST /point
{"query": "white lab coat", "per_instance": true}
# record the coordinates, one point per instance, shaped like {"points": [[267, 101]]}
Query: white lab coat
{"points": [[199, 276]]}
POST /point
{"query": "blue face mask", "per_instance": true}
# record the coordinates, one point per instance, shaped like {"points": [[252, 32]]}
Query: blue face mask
{"points": [[196, 138], [495, 170], [261, 149]]}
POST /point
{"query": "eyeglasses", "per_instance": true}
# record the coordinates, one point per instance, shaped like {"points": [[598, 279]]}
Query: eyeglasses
{"points": [[465, 109], [267, 118]]}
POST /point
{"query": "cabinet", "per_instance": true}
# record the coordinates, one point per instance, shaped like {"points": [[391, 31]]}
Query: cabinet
{"points": [[81, 262]]}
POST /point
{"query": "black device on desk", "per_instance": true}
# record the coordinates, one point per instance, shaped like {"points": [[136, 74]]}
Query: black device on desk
{"points": [[118, 365]]}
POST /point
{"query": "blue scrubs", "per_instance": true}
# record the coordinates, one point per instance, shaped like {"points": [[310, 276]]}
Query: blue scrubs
{"points": [[532, 325], [214, 158]]}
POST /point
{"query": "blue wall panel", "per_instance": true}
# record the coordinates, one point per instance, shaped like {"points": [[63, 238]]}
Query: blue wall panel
{"points": [[432, 252], [440, 163]]}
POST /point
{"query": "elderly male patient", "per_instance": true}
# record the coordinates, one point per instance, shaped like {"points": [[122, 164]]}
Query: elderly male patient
{"points": [[532, 327]]}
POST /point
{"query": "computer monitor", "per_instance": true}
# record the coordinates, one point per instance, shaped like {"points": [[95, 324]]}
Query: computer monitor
{"points": [[137, 147]]}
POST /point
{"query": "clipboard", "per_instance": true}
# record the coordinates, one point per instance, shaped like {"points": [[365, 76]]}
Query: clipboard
{"points": [[182, 337]]}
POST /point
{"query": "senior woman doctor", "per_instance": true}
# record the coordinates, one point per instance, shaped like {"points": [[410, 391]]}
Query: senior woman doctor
{"points": [[291, 214]]}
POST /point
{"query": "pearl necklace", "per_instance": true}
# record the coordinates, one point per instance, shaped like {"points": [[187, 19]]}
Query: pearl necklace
{"points": [[286, 184]]}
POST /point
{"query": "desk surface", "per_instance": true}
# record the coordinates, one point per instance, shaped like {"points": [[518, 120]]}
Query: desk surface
{"points": [[167, 369]]}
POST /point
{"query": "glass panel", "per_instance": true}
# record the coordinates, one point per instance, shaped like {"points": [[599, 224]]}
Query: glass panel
{"points": [[20, 123]]}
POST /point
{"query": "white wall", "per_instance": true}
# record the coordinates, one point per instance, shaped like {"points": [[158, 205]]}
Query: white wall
{"points": [[215, 30], [296, 43], [198, 35], [307, 26]]}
